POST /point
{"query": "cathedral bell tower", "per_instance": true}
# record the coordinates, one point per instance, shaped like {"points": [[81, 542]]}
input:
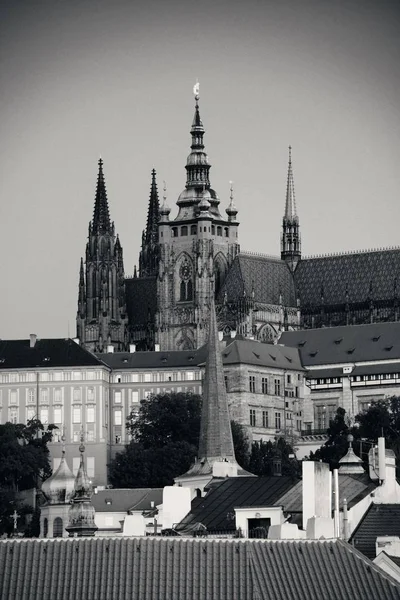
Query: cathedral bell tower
{"points": [[101, 317], [290, 241], [196, 249]]}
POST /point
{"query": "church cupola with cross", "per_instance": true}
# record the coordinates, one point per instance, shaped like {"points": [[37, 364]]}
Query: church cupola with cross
{"points": [[290, 241], [198, 245], [101, 317]]}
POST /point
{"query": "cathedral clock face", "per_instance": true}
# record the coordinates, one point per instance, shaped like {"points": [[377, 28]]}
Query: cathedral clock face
{"points": [[185, 271]]}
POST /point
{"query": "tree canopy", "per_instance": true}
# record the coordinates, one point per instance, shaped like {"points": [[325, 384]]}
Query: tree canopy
{"points": [[165, 438], [381, 419], [24, 459]]}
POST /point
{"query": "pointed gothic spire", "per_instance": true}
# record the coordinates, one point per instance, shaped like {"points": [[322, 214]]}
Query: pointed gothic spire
{"points": [[153, 213], [216, 442], [197, 165], [82, 513], [101, 215], [148, 257], [290, 241], [290, 206]]}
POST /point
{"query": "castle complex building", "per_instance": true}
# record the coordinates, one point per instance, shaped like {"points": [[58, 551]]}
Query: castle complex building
{"points": [[186, 259]]}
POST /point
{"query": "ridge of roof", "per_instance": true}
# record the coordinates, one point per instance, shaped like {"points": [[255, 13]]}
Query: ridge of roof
{"points": [[350, 252]]}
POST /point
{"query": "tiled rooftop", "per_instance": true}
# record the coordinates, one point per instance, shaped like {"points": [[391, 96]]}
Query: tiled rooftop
{"points": [[188, 569], [379, 520], [46, 353]]}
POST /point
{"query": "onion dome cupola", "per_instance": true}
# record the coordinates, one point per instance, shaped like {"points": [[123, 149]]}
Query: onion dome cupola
{"points": [[60, 486], [350, 463], [164, 209], [81, 513], [231, 211]]}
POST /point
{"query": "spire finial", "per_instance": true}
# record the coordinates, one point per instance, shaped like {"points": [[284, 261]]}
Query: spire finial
{"points": [[81, 445], [63, 440], [196, 90], [231, 211], [164, 192]]}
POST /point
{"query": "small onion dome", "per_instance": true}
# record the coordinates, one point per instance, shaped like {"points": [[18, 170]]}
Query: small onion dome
{"points": [[164, 209], [231, 211], [59, 488], [350, 463]]}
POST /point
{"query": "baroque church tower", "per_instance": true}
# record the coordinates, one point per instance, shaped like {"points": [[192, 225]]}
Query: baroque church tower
{"points": [[196, 249], [290, 242], [101, 318]]}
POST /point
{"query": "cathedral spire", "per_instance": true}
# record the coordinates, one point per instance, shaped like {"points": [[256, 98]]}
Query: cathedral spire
{"points": [[148, 258], [101, 215], [197, 165], [290, 241]]}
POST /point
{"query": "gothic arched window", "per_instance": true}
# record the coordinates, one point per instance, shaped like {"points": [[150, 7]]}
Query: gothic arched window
{"points": [[219, 231], [226, 232], [58, 527]]}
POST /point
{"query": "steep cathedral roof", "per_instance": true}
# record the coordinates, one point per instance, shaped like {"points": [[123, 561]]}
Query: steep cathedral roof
{"points": [[359, 276], [269, 277], [141, 300]]}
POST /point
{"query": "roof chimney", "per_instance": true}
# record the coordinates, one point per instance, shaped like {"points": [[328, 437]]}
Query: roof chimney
{"points": [[110, 349], [156, 347], [132, 348], [32, 340]]}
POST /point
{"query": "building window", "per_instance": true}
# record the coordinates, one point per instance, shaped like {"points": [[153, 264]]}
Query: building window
{"points": [[90, 412], [90, 466], [57, 414], [44, 396], [135, 377], [189, 375], [226, 232], [212, 229], [147, 377], [264, 385], [30, 413], [277, 420], [193, 230], [174, 232], [44, 377], [277, 387], [77, 375], [219, 230], [265, 418], [91, 375], [90, 436], [118, 417], [252, 383], [44, 415], [135, 396], [57, 376], [117, 397], [58, 527], [184, 230], [90, 395], [226, 381], [45, 527], [13, 377], [298, 425], [252, 417], [76, 395], [57, 395], [31, 396], [289, 379], [13, 397], [76, 414], [13, 415]]}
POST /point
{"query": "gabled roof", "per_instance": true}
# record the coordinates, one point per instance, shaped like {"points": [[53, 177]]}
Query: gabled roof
{"points": [[362, 274], [123, 500], [47, 353], [352, 487], [251, 352], [216, 510], [151, 568], [379, 520], [270, 277], [141, 300], [155, 360], [354, 343]]}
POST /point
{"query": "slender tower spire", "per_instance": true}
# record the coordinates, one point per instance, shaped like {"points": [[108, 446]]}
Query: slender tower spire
{"points": [[197, 165], [101, 214], [148, 258], [216, 455], [290, 242], [82, 513]]}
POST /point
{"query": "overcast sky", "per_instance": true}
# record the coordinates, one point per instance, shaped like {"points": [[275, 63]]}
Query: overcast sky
{"points": [[115, 78]]}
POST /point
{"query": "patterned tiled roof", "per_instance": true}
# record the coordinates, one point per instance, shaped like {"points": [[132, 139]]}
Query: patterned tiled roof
{"points": [[269, 276], [347, 344], [122, 500], [379, 520], [354, 272], [251, 352], [141, 300], [179, 569], [155, 360], [46, 353]]}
